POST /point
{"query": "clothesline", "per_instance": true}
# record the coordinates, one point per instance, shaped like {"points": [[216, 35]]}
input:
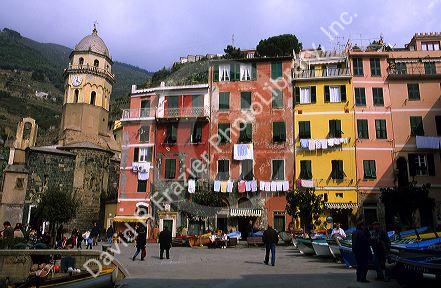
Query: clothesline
{"points": [[322, 144], [251, 186]]}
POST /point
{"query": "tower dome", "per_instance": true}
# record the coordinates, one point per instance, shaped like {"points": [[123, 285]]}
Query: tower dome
{"points": [[93, 43]]}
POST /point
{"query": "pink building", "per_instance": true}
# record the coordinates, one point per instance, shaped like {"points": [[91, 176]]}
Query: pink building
{"points": [[374, 138], [414, 76]]}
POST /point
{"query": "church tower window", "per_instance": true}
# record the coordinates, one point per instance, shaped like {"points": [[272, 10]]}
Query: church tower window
{"points": [[77, 92], [92, 97], [81, 61], [96, 63]]}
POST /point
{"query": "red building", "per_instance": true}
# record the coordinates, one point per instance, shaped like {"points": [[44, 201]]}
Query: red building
{"points": [[252, 141]]}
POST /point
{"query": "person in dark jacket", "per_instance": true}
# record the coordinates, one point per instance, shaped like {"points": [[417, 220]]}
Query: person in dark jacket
{"points": [[165, 240], [141, 241], [380, 245], [361, 250], [94, 234], [270, 239], [109, 234]]}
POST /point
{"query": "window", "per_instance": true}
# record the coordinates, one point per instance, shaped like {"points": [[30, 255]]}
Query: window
{"points": [[430, 68], [135, 154], [145, 108], [144, 132], [223, 132], [337, 169], [92, 98], [401, 68], [430, 46], [196, 168], [339, 195], [224, 100], [235, 71], [362, 128], [248, 71], [277, 99], [172, 102], [335, 94], [369, 169], [278, 170], [438, 125], [380, 129], [375, 67], [170, 137], [170, 168], [223, 72], [360, 97], [247, 170], [276, 70], [245, 100], [196, 134], [245, 132], [377, 96], [305, 95], [197, 101], [413, 91], [335, 129], [279, 132], [304, 130], [76, 96], [81, 61], [145, 154], [416, 126], [279, 223], [142, 186], [421, 165], [96, 63], [358, 66], [223, 169], [305, 170]]}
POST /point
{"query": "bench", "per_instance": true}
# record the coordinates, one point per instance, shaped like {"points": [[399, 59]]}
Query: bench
{"points": [[254, 241]]}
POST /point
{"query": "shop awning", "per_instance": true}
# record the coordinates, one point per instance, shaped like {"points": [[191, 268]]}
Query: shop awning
{"points": [[131, 219], [245, 212], [341, 205]]}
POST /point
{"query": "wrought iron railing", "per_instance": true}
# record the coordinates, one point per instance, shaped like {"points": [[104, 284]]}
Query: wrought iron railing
{"points": [[186, 112], [415, 69], [321, 73], [140, 113]]}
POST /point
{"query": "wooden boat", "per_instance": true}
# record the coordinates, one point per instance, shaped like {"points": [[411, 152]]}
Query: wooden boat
{"points": [[305, 246], [334, 248], [200, 240], [321, 248]]}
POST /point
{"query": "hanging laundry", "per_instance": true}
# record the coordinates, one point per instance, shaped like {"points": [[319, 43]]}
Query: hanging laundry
{"points": [[279, 185], [345, 140], [243, 152], [143, 175], [230, 186], [311, 145], [254, 185], [331, 142], [262, 185], [285, 185], [248, 186], [216, 185], [273, 186], [307, 183], [304, 143], [191, 186], [324, 143], [223, 186], [318, 144], [425, 142], [241, 186], [267, 186]]}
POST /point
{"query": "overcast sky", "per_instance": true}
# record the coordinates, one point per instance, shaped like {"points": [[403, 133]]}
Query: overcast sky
{"points": [[152, 34]]}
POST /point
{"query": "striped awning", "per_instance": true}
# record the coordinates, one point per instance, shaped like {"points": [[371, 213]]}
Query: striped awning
{"points": [[245, 212], [121, 218], [341, 205]]}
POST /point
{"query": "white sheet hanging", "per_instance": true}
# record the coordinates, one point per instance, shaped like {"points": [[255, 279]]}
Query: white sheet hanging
{"points": [[245, 72], [224, 72], [305, 95], [334, 92]]}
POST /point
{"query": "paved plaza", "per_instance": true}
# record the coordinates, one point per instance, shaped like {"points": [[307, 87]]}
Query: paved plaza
{"points": [[237, 267]]}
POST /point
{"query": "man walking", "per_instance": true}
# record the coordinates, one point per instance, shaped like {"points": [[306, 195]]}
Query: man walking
{"points": [[165, 240], [361, 250], [380, 245], [270, 239], [141, 241], [94, 233]]}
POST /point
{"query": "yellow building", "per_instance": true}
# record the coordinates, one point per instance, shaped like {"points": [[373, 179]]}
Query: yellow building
{"points": [[325, 132]]}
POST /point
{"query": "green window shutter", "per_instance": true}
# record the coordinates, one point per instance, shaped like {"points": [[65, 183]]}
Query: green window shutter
{"points": [[245, 100], [338, 128], [313, 94], [416, 126], [343, 93], [278, 170], [216, 72], [305, 170], [327, 94], [235, 71], [224, 100], [360, 97], [254, 71], [279, 132], [297, 95], [304, 130], [277, 98], [362, 129], [377, 94], [332, 128], [276, 70], [135, 154]]}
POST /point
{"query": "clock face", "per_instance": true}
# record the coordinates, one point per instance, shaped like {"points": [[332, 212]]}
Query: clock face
{"points": [[76, 81]]}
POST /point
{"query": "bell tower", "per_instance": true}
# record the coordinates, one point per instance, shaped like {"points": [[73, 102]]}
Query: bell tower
{"points": [[88, 85]]}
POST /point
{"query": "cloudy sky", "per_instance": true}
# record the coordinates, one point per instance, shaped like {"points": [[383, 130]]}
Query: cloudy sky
{"points": [[152, 34]]}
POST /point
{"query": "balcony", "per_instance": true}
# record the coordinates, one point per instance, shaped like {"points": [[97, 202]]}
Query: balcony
{"points": [[188, 112], [322, 74], [138, 114], [90, 69], [414, 70]]}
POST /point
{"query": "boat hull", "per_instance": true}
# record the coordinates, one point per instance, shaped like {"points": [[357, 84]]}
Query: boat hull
{"points": [[321, 249], [305, 246]]}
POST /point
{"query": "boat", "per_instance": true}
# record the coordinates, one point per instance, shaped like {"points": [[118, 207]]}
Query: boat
{"points": [[334, 248], [199, 240], [321, 248], [305, 245]]}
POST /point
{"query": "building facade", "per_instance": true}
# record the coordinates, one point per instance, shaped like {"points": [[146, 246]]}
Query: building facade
{"points": [[251, 154], [324, 131]]}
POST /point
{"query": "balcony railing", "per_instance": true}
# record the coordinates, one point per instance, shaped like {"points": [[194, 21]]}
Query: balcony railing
{"points": [[90, 69], [416, 69], [141, 113], [322, 73], [186, 112]]}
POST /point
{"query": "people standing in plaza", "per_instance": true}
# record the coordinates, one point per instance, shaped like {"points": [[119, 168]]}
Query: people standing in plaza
{"points": [[337, 232], [94, 233], [380, 245], [59, 236], [270, 239], [361, 250], [18, 233], [109, 234], [141, 241], [165, 241]]}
